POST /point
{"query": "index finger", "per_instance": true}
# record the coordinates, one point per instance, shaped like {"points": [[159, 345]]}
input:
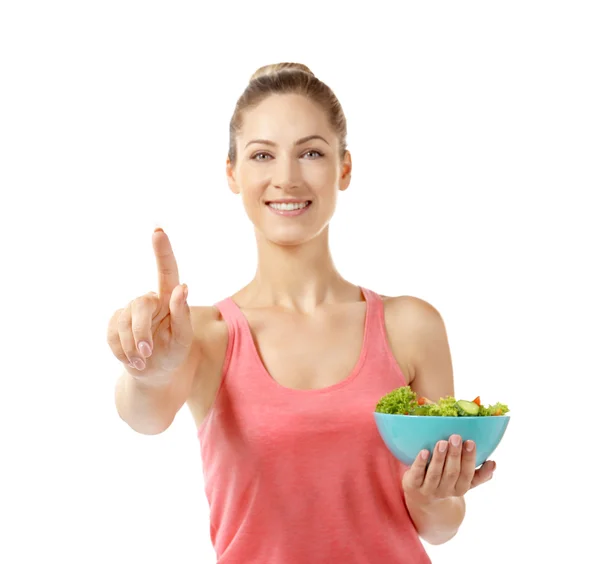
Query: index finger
{"points": [[168, 274]]}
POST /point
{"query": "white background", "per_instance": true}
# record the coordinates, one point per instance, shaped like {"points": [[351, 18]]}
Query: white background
{"points": [[474, 133]]}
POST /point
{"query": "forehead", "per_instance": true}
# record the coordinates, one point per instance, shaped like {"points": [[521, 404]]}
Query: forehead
{"points": [[280, 117]]}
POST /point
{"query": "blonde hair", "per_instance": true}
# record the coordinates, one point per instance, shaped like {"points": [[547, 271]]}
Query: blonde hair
{"points": [[287, 78]]}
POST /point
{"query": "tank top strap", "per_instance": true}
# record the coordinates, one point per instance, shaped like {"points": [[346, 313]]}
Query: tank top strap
{"points": [[375, 319], [377, 339], [230, 312], [236, 326], [237, 331]]}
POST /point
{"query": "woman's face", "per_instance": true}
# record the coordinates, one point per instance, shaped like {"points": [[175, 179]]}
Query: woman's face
{"points": [[287, 176]]}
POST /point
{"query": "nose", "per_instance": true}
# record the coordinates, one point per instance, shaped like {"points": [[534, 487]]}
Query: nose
{"points": [[286, 175]]}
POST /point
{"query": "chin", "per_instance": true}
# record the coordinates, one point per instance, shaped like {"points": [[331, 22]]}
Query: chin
{"points": [[289, 237], [288, 232]]}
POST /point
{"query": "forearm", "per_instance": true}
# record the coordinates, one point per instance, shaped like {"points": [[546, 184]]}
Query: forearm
{"points": [[439, 521], [144, 408]]}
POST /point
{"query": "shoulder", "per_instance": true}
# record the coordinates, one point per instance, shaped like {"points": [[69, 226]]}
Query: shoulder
{"points": [[411, 319], [210, 329], [411, 304], [420, 315], [205, 314], [211, 338]]}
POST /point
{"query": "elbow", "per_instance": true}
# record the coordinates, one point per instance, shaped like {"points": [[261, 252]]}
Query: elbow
{"points": [[437, 540], [442, 530], [145, 426]]}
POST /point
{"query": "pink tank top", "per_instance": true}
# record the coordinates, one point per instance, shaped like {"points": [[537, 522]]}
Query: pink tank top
{"points": [[302, 476]]}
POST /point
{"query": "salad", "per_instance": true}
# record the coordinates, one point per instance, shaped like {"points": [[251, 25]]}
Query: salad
{"points": [[403, 401]]}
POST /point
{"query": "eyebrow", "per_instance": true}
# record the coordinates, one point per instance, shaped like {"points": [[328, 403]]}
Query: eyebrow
{"points": [[299, 142]]}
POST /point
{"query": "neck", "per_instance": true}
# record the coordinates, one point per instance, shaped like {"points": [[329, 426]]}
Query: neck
{"points": [[298, 277]]}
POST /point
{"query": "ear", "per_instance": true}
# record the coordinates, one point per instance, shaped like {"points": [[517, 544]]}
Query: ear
{"points": [[346, 171], [230, 172]]}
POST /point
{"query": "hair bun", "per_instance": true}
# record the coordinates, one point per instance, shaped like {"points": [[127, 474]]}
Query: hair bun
{"points": [[277, 67]]}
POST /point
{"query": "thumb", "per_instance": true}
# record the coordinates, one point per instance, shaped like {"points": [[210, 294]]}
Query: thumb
{"points": [[181, 324]]}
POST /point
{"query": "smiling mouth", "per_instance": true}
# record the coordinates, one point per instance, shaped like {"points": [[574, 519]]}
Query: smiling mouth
{"points": [[290, 205]]}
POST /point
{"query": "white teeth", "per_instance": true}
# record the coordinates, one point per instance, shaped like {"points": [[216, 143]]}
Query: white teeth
{"points": [[288, 207]]}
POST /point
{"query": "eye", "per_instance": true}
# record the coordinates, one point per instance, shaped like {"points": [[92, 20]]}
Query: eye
{"points": [[314, 152], [254, 157]]}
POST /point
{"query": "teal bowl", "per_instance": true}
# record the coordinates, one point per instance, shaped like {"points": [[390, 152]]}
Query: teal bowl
{"points": [[407, 435]]}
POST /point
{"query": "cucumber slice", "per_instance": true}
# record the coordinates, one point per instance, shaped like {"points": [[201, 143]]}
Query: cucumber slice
{"points": [[467, 407]]}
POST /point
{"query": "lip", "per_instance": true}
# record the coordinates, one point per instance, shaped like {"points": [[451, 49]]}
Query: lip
{"points": [[287, 201], [289, 213]]}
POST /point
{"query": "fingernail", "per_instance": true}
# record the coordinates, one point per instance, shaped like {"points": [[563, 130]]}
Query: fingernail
{"points": [[443, 446], [455, 440], [144, 349], [470, 446], [185, 292], [424, 455], [139, 363]]}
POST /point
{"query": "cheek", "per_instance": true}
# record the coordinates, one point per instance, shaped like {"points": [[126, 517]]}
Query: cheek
{"points": [[251, 198], [327, 191], [250, 186]]}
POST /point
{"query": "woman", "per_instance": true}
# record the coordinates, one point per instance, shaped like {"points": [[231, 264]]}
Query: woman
{"points": [[282, 378]]}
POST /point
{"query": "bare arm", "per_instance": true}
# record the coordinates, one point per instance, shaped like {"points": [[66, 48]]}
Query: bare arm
{"points": [[156, 338], [431, 361]]}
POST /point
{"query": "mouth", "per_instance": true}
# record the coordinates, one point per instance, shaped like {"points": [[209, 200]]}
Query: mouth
{"points": [[289, 207]]}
